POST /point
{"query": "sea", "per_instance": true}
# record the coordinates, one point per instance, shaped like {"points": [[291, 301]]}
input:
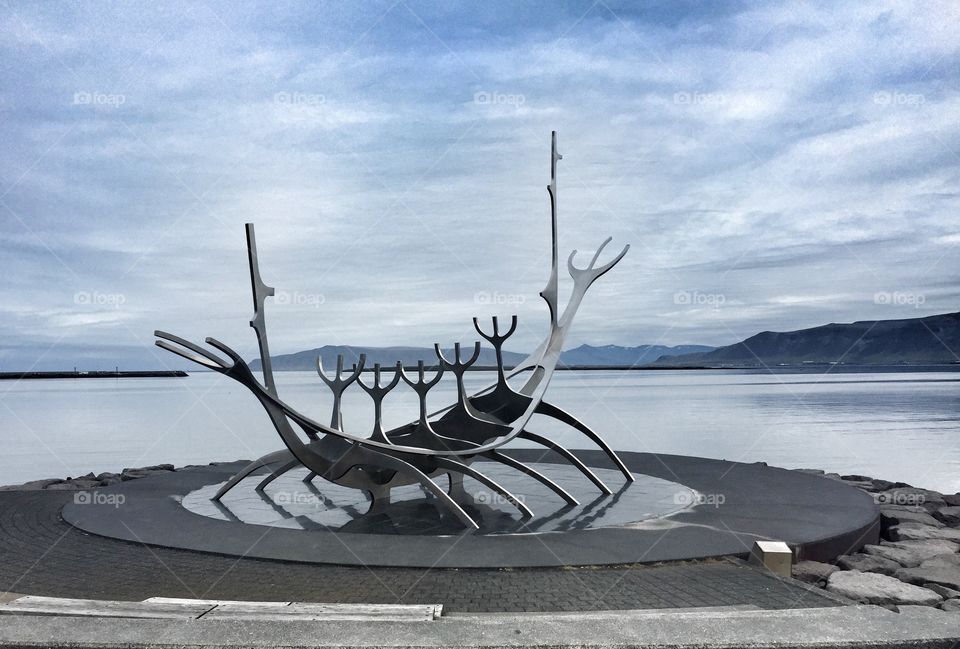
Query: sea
{"points": [[892, 423]]}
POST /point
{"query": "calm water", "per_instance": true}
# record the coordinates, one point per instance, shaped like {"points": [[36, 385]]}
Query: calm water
{"points": [[899, 426]]}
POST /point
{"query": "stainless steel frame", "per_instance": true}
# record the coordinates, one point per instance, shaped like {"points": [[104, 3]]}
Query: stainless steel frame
{"points": [[444, 442]]}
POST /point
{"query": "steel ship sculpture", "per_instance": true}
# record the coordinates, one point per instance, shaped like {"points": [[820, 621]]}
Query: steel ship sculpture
{"points": [[445, 442]]}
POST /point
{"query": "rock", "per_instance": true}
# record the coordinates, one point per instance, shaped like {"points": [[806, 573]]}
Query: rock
{"points": [[949, 515], [942, 591], [832, 476], [883, 485], [910, 496], [909, 554], [943, 570], [107, 476], [106, 482], [143, 472], [869, 563], [890, 516], [865, 486], [85, 483], [65, 486], [873, 588], [914, 532], [952, 499], [933, 547], [33, 485], [811, 471], [951, 605], [813, 572], [856, 478]]}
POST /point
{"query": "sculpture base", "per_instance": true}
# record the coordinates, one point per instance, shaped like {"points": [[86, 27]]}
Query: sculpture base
{"points": [[736, 504], [290, 503]]}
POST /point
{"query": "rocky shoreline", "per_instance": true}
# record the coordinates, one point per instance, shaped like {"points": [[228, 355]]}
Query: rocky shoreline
{"points": [[91, 481], [916, 561]]}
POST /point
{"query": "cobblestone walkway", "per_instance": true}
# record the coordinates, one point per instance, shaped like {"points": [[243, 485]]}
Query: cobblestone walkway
{"points": [[42, 555]]}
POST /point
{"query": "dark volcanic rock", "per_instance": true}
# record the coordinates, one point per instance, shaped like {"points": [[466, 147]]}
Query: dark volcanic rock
{"points": [[951, 605], [890, 516], [949, 515], [952, 499], [911, 553], [813, 572], [942, 591], [914, 532], [873, 588], [943, 570], [33, 485], [869, 563]]}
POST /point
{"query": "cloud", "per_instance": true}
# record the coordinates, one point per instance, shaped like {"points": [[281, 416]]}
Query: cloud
{"points": [[394, 158]]}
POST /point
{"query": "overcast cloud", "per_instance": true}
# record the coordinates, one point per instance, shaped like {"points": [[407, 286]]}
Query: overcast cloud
{"points": [[773, 166]]}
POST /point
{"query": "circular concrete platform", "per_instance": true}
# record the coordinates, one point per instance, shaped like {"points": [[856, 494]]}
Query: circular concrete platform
{"points": [[735, 504]]}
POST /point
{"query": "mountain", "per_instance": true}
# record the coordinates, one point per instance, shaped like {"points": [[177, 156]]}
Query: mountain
{"points": [[913, 340], [386, 356], [585, 355]]}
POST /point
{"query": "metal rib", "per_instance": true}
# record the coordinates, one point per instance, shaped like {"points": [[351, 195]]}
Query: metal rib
{"points": [[550, 410], [533, 473], [276, 474], [264, 461], [459, 467], [569, 457]]}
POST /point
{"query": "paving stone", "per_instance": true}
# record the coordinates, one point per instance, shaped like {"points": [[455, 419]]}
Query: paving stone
{"points": [[813, 572], [868, 563], [65, 562], [873, 588]]}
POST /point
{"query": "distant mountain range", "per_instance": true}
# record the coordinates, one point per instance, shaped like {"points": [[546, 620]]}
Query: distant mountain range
{"points": [[583, 356], [614, 355], [934, 339], [868, 342]]}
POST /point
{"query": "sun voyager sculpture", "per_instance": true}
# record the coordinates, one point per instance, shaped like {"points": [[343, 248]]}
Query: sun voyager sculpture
{"points": [[443, 443]]}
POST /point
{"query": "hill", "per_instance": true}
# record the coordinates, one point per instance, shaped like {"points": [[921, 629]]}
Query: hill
{"points": [[583, 356], [913, 340], [610, 355]]}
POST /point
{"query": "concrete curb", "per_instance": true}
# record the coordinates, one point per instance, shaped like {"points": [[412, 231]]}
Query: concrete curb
{"points": [[848, 627]]}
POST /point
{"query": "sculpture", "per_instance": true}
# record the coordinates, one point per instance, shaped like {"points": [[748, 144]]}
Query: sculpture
{"points": [[443, 442]]}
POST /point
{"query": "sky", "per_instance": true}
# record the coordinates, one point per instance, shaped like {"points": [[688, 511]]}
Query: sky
{"points": [[773, 166]]}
